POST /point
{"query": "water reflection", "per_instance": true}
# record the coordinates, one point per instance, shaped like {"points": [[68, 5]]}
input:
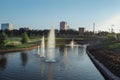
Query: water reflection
{"points": [[50, 70], [24, 58], [61, 50], [42, 68], [65, 58], [38, 50], [3, 61], [50, 56], [65, 52]]}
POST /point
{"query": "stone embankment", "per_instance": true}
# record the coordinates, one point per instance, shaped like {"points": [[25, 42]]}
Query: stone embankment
{"points": [[16, 50], [106, 61]]}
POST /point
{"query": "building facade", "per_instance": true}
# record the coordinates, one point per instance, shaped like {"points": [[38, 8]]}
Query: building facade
{"points": [[81, 30], [63, 25], [7, 26]]}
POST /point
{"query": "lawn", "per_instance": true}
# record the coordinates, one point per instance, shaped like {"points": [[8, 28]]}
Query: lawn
{"points": [[114, 46], [15, 42]]}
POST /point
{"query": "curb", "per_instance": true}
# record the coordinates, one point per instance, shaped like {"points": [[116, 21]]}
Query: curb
{"points": [[107, 73]]}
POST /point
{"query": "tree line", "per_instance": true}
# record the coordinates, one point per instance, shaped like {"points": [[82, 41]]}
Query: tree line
{"points": [[33, 33]]}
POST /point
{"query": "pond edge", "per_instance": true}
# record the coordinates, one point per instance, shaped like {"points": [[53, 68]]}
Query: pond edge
{"points": [[105, 71], [17, 50]]}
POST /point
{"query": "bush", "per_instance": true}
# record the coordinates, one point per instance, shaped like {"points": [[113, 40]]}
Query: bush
{"points": [[25, 38], [118, 36], [3, 39], [111, 37]]}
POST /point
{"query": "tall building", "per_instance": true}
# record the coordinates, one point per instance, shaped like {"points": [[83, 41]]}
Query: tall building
{"points": [[81, 30], [63, 25], [7, 26]]}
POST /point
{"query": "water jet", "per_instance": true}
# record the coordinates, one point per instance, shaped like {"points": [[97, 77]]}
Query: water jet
{"points": [[50, 56]]}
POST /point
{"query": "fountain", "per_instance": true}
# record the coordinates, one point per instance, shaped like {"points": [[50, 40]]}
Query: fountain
{"points": [[38, 50], [42, 54], [72, 43], [50, 57]]}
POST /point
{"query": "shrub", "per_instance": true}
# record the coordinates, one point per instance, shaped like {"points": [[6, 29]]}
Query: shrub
{"points": [[25, 38], [3, 39]]}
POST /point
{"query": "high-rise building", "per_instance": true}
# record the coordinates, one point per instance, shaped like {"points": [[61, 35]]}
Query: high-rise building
{"points": [[6, 26], [63, 25], [81, 30]]}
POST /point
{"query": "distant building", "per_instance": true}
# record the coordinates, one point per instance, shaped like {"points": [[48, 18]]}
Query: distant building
{"points": [[25, 28], [81, 30], [63, 25], [7, 26]]}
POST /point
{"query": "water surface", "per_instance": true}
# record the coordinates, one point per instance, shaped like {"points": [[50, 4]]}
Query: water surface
{"points": [[71, 64]]}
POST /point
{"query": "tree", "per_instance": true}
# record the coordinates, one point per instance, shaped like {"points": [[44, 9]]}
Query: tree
{"points": [[25, 38], [111, 36], [3, 39], [118, 36]]}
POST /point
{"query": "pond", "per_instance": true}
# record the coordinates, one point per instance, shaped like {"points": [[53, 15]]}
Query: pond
{"points": [[71, 64]]}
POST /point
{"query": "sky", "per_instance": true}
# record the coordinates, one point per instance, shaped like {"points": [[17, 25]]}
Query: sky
{"points": [[42, 14]]}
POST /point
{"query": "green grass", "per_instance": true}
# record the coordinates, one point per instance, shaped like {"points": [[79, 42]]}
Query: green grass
{"points": [[35, 39], [11, 40], [11, 45], [15, 38], [20, 46], [33, 42], [114, 46]]}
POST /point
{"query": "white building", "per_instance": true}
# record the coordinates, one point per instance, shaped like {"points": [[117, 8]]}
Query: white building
{"points": [[7, 26]]}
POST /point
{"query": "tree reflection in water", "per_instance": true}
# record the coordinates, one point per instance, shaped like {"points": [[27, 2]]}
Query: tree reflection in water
{"points": [[50, 71], [24, 58], [3, 62]]}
